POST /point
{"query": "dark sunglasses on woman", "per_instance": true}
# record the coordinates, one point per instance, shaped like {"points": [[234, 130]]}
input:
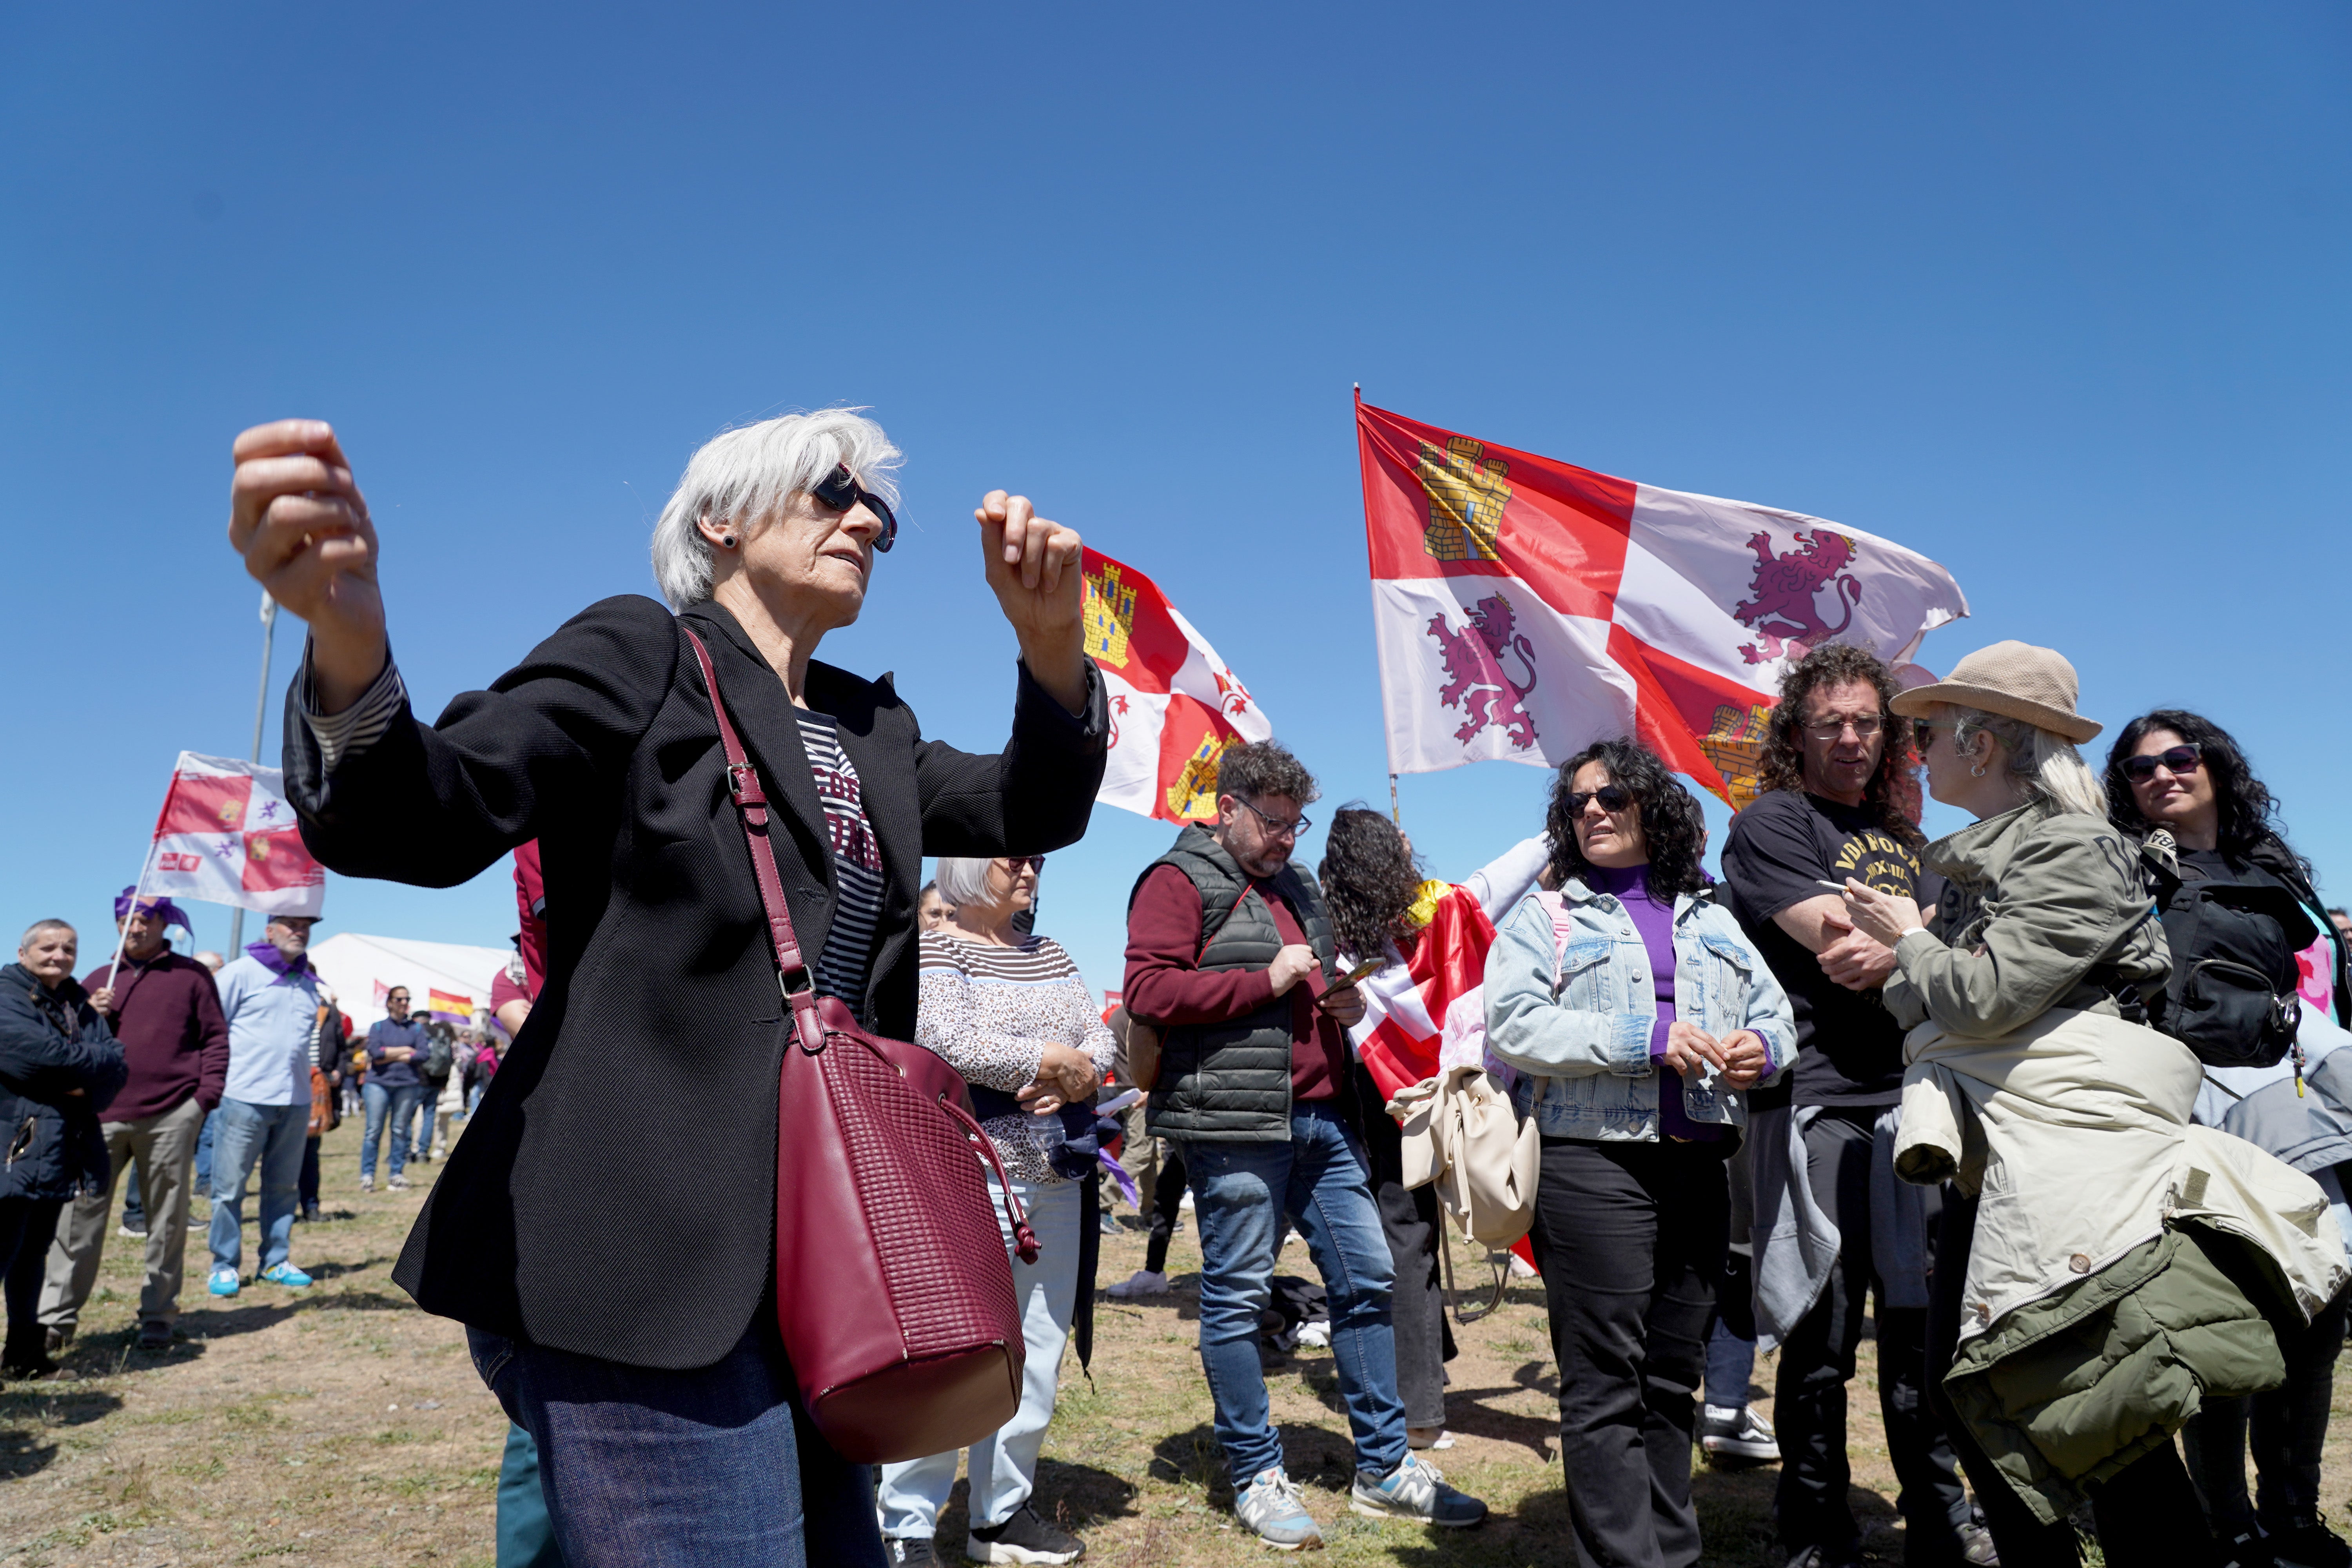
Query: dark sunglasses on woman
{"points": [[840, 491], [1612, 797], [2178, 759]]}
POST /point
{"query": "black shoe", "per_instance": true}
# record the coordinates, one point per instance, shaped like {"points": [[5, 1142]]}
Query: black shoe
{"points": [[908, 1549], [1024, 1538], [2310, 1544], [54, 1341]]}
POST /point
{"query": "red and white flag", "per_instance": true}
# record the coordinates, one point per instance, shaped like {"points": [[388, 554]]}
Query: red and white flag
{"points": [[226, 834], [1525, 608], [1175, 706], [1413, 1011]]}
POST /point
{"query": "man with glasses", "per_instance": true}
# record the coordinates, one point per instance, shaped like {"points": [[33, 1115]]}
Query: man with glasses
{"points": [[1836, 775], [1230, 951], [270, 996]]}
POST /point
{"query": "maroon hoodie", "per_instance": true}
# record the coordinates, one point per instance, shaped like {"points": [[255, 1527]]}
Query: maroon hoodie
{"points": [[167, 1014]]}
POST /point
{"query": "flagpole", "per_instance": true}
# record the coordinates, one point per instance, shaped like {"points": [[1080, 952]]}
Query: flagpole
{"points": [[1394, 814], [260, 712], [122, 931]]}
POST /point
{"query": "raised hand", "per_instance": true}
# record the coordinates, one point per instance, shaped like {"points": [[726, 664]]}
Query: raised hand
{"points": [[1033, 566], [298, 518]]}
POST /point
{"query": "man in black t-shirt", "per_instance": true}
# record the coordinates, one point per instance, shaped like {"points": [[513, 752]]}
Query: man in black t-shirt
{"points": [[1835, 774]]}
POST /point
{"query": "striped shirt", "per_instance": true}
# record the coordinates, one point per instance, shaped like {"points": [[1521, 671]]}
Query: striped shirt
{"points": [[842, 967], [992, 1010]]}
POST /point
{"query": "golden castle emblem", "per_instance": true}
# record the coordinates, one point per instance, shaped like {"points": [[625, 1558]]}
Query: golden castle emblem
{"points": [[1466, 494], [1735, 744], [1109, 616], [1193, 796]]}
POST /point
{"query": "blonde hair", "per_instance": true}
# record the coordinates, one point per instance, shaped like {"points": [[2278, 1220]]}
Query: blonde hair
{"points": [[2045, 760]]}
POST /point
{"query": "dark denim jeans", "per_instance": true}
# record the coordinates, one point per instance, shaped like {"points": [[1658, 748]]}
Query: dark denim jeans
{"points": [[647, 1469], [1240, 1194]]}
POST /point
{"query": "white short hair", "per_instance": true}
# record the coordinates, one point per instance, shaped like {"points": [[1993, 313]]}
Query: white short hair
{"points": [[753, 469], [963, 879]]}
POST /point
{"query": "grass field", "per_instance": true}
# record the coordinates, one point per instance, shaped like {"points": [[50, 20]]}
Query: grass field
{"points": [[339, 1425]]}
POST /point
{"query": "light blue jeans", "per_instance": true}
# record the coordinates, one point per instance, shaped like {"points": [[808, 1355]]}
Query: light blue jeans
{"points": [[397, 1105], [270, 1136], [1242, 1193], [1004, 1463]]}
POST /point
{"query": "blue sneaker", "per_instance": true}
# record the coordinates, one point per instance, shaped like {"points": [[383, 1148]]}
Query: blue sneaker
{"points": [[1416, 1492], [223, 1281], [286, 1274], [1272, 1508]]}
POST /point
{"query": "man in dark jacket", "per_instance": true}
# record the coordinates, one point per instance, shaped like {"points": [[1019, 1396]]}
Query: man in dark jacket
{"points": [[1230, 949], [59, 1067], [166, 1014]]}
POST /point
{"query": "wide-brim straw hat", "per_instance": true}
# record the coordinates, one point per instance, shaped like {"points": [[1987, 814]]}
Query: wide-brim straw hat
{"points": [[2015, 679]]}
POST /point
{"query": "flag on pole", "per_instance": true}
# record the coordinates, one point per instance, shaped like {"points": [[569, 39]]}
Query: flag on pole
{"points": [[1525, 608], [225, 835], [1175, 706], [1411, 1011]]}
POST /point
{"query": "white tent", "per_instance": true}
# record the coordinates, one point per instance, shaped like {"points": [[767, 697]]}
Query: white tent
{"points": [[362, 968]]}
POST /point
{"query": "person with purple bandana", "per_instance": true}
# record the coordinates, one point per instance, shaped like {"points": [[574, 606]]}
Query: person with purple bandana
{"points": [[1638, 1016], [165, 1012], [270, 996]]}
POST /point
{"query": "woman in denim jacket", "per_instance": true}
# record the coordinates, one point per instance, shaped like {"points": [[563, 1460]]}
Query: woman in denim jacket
{"points": [[1637, 1013]]}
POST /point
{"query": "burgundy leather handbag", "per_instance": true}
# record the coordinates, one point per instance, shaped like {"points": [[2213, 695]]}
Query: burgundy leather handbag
{"points": [[892, 1288]]}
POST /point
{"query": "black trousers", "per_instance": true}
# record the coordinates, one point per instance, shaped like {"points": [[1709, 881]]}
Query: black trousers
{"points": [[2147, 1515], [1809, 1404], [27, 1226], [1631, 1239], [1424, 1340], [2290, 1428], [1167, 1207], [307, 1189]]}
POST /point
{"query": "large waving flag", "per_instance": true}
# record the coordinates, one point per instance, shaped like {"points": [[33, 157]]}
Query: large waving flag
{"points": [[1175, 706], [1525, 608], [226, 834]]}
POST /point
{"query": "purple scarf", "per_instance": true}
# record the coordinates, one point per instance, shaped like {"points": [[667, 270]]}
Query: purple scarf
{"points": [[265, 952]]}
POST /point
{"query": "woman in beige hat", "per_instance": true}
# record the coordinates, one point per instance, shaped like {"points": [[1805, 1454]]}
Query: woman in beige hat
{"points": [[2080, 1327]]}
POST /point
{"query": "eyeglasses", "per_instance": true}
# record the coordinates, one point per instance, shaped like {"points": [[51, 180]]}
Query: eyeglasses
{"points": [[1865, 728], [2178, 759], [1612, 797], [1923, 730], [840, 491], [1276, 826]]}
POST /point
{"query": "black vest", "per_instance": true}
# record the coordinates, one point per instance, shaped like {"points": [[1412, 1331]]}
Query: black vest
{"points": [[1230, 1082]]}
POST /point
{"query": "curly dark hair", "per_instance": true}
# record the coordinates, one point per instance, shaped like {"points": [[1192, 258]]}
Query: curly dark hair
{"points": [[1783, 762], [2247, 810], [1369, 879], [1672, 822], [1257, 769]]}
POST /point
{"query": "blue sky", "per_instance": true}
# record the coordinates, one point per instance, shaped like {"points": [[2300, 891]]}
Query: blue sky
{"points": [[2055, 295]]}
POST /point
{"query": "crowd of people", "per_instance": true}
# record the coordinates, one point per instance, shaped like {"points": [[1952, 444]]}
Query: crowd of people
{"points": [[2049, 1107]]}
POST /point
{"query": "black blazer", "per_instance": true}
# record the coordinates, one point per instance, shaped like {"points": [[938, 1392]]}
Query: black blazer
{"points": [[615, 1195]]}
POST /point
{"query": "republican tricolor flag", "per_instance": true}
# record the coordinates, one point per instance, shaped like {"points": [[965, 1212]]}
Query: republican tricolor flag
{"points": [[225, 835], [1175, 706], [1525, 608]]}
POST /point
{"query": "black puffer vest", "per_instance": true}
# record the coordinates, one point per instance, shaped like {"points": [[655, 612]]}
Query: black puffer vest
{"points": [[1230, 1082]]}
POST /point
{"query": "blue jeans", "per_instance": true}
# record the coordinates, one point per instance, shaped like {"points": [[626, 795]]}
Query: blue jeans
{"points": [[1004, 1463], [1242, 1193], [397, 1105], [270, 1136], [647, 1469], [204, 1152], [1731, 1365]]}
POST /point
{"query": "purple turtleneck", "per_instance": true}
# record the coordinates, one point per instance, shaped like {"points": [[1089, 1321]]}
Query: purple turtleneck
{"points": [[1653, 918]]}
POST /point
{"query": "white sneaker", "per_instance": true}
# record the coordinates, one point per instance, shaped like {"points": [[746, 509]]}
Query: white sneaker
{"points": [[367, 1184], [1142, 1282], [1317, 1333], [1187, 1204], [1521, 1269], [1273, 1509]]}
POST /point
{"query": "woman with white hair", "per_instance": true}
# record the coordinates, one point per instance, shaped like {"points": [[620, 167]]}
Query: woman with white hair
{"points": [[2101, 1266], [1009, 1011], [623, 1313]]}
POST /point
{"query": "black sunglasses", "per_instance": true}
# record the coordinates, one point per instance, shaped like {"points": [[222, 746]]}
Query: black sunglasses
{"points": [[840, 491], [2180, 759], [1612, 797]]}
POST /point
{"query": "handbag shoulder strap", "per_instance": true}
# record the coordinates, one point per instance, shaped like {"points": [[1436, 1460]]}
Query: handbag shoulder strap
{"points": [[793, 978]]}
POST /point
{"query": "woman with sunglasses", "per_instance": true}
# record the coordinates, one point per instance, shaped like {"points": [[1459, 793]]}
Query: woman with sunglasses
{"points": [[635, 1333], [2233, 893], [2062, 1294], [1008, 1010], [1639, 1014]]}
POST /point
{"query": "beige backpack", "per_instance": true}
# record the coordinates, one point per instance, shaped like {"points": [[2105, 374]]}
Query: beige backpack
{"points": [[1461, 1133]]}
